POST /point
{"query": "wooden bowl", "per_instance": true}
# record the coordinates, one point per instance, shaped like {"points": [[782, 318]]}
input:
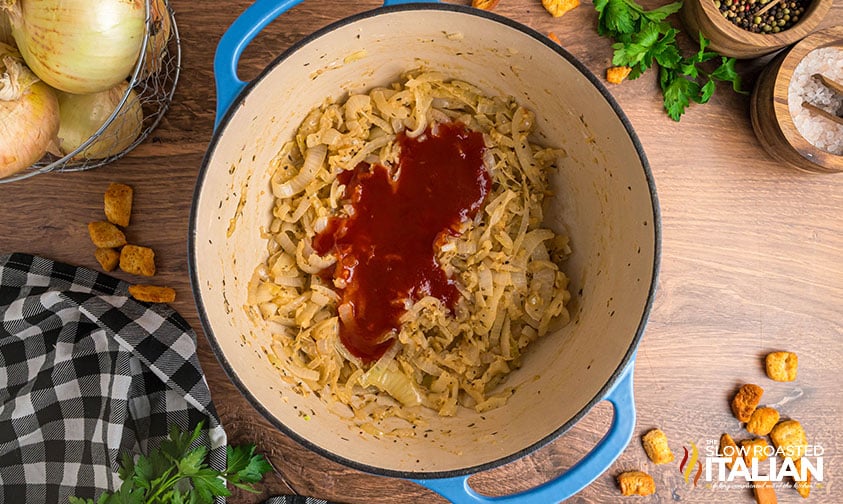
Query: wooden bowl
{"points": [[770, 112], [702, 16]]}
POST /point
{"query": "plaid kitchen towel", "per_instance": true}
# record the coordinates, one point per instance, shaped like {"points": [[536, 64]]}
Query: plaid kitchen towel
{"points": [[87, 373]]}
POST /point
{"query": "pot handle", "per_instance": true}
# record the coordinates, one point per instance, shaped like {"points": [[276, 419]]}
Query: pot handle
{"points": [[241, 32], [579, 476]]}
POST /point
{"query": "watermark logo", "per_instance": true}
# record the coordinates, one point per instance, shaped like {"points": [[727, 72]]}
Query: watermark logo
{"points": [[746, 466], [747, 461], [686, 466]]}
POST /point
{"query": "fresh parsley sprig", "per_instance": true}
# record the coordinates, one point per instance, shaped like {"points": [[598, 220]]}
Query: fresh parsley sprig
{"points": [[643, 38], [178, 474]]}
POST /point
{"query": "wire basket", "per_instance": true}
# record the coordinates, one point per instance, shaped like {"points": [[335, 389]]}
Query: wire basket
{"points": [[154, 89]]}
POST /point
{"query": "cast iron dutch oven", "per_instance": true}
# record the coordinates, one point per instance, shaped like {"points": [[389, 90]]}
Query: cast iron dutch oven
{"points": [[605, 199]]}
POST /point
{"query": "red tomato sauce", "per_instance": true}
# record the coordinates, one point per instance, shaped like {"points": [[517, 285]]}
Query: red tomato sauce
{"points": [[386, 248]]}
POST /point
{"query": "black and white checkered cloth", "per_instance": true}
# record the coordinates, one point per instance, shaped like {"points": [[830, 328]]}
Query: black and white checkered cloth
{"points": [[87, 373]]}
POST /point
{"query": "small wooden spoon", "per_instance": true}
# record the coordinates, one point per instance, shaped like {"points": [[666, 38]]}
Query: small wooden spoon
{"points": [[767, 7], [830, 84], [824, 113]]}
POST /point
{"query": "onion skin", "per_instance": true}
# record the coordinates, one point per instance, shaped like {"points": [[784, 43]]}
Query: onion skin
{"points": [[28, 127], [82, 115], [79, 46], [160, 30]]}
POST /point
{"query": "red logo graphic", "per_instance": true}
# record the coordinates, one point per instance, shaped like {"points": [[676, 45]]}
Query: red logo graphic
{"points": [[687, 466]]}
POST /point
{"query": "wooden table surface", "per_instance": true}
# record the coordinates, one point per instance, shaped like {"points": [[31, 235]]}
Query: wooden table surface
{"points": [[752, 261]]}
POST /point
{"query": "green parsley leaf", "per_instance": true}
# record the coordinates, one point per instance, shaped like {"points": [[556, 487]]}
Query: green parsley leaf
{"points": [[654, 43], [174, 498], [176, 474], [661, 13], [726, 72], [706, 92], [634, 52], [616, 17], [178, 444], [144, 472], [643, 38], [127, 466], [77, 500], [678, 92], [666, 52], [191, 463], [207, 484], [244, 465], [702, 55], [127, 494]]}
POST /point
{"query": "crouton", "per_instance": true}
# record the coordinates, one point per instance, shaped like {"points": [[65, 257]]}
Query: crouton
{"points": [[764, 493], [762, 421], [137, 260], [106, 235], [728, 448], [107, 257], [485, 4], [556, 8], [655, 444], [754, 449], [152, 293], [746, 400], [118, 204], [781, 366], [617, 74], [636, 483], [790, 439], [802, 486]]}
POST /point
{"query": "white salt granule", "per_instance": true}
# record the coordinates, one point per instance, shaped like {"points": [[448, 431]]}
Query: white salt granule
{"points": [[819, 131]]}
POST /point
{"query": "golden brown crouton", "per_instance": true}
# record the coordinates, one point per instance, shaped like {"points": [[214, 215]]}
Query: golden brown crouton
{"points": [[152, 293], [558, 7], [655, 444], [754, 449], [106, 235], [764, 493], [485, 4], [107, 257], [728, 448], [617, 74], [790, 439], [762, 421], [636, 483], [781, 366], [137, 260], [802, 486], [118, 204], [746, 400]]}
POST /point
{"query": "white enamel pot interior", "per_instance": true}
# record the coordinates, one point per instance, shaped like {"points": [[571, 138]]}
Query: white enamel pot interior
{"points": [[604, 198]]}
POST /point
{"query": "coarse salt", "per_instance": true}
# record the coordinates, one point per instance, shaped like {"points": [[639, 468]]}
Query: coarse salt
{"points": [[819, 131]]}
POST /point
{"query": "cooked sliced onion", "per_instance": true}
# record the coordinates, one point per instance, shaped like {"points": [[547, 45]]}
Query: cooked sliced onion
{"points": [[312, 162], [5, 29], [83, 115], [386, 376], [503, 263], [79, 46]]}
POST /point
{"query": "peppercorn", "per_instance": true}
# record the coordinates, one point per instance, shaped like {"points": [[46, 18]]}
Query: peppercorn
{"points": [[777, 18]]}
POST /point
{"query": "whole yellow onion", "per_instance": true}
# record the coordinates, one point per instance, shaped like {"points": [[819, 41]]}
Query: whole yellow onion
{"points": [[82, 115], [29, 114], [79, 46]]}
